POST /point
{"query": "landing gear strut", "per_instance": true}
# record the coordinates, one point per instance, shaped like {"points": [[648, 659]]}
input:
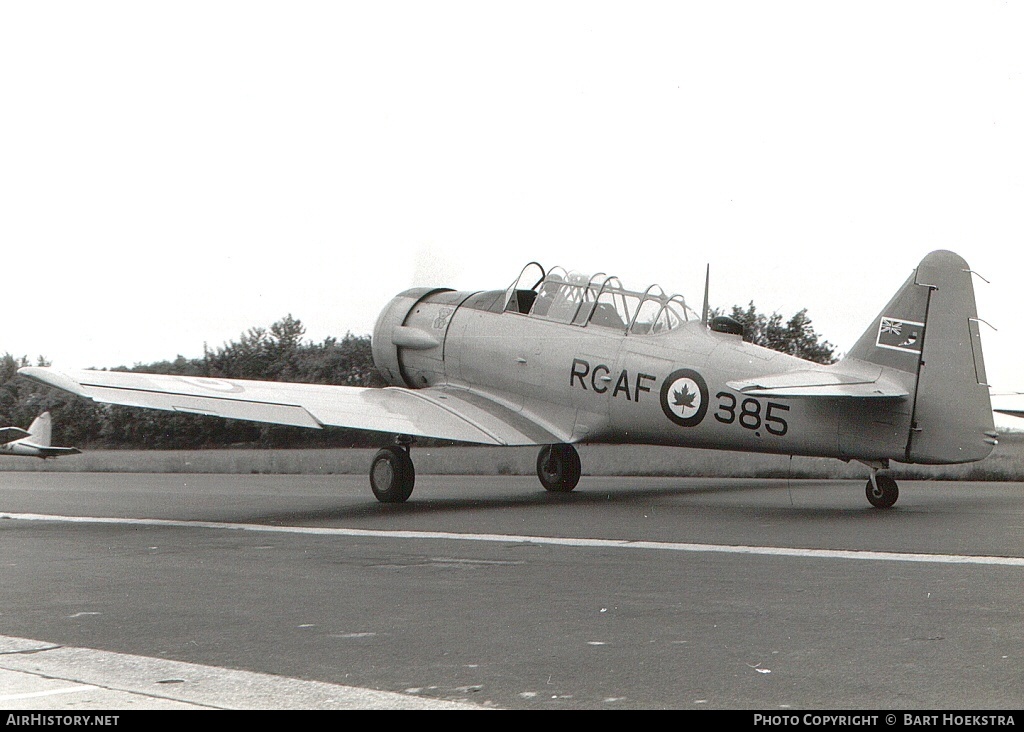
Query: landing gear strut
{"points": [[559, 468], [882, 490], [392, 474]]}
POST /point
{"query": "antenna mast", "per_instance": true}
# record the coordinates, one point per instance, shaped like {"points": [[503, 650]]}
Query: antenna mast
{"points": [[707, 283]]}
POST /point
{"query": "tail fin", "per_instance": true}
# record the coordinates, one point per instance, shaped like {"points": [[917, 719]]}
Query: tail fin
{"points": [[929, 330], [40, 432]]}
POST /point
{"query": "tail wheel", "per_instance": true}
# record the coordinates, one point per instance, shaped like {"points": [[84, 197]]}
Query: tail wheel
{"points": [[559, 468], [882, 492], [392, 475]]}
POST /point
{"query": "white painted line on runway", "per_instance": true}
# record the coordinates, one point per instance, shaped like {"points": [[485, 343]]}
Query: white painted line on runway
{"points": [[50, 692], [774, 551]]}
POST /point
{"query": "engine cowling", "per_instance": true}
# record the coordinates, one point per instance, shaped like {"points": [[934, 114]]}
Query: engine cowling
{"points": [[408, 337]]}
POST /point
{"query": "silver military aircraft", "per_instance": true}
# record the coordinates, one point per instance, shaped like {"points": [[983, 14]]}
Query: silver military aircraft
{"points": [[34, 442], [557, 359]]}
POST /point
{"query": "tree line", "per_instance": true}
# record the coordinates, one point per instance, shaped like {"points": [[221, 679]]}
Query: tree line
{"points": [[277, 353]]}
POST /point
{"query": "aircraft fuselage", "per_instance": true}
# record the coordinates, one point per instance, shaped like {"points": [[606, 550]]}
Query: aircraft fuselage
{"points": [[15, 448], [602, 384]]}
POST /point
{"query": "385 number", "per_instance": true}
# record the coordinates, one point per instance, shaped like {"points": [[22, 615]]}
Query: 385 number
{"points": [[750, 413]]}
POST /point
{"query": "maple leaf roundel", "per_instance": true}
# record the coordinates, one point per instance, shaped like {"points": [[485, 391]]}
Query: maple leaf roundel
{"points": [[684, 397]]}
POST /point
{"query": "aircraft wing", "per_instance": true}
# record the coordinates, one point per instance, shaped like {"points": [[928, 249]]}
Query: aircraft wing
{"points": [[439, 412], [820, 384], [50, 451], [9, 434]]}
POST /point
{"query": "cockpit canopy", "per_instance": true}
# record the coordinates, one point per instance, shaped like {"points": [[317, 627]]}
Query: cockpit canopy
{"points": [[599, 300]]}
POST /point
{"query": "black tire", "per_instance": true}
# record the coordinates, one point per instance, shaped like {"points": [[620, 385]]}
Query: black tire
{"points": [[883, 493], [392, 475], [559, 468]]}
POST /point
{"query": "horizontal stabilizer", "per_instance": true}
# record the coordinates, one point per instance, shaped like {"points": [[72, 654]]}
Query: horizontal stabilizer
{"points": [[1011, 403], [7, 434], [439, 412], [820, 384]]}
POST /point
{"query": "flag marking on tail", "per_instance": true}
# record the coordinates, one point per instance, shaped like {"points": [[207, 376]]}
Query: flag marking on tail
{"points": [[900, 335]]}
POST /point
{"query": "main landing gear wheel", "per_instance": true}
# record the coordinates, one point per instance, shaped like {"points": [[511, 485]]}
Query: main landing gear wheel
{"points": [[882, 491], [392, 475], [559, 468]]}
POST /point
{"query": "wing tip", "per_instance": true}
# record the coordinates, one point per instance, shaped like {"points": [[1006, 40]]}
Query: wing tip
{"points": [[52, 377]]}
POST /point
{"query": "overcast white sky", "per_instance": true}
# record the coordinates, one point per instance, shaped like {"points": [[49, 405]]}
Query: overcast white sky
{"points": [[174, 173]]}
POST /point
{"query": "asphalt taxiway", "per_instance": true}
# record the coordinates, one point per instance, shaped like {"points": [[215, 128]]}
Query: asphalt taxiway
{"points": [[488, 592]]}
